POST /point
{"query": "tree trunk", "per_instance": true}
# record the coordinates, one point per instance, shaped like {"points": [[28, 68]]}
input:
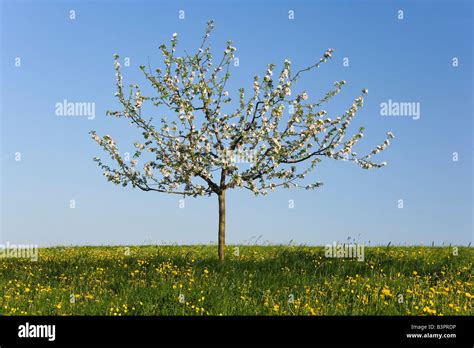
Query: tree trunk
{"points": [[221, 246]]}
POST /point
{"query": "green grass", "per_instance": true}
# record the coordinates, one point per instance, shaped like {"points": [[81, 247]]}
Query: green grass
{"points": [[270, 280]]}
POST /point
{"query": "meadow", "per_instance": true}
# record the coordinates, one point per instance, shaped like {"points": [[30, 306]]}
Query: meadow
{"points": [[260, 280]]}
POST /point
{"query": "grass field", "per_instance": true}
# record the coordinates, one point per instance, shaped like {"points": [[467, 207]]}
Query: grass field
{"points": [[262, 280]]}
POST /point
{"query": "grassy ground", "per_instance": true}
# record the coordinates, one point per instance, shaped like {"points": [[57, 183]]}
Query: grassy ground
{"points": [[271, 280]]}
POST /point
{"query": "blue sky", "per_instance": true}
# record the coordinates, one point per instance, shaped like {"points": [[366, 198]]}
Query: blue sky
{"points": [[407, 60]]}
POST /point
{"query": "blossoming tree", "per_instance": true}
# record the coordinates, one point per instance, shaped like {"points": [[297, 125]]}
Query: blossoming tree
{"points": [[195, 154]]}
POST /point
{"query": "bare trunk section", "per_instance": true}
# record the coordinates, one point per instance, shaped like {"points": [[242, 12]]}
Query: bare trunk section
{"points": [[221, 246]]}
